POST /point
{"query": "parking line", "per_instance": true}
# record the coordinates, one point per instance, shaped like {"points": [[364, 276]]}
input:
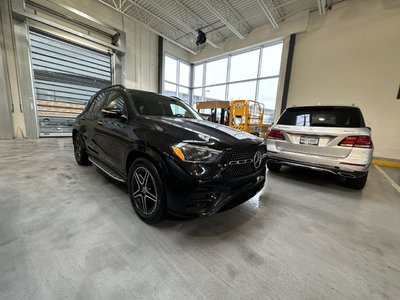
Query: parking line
{"points": [[394, 184]]}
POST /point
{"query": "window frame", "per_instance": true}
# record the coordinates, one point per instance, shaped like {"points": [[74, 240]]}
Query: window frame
{"points": [[258, 78], [177, 83]]}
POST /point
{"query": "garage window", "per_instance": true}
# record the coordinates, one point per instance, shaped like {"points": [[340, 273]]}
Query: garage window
{"points": [[66, 75], [249, 75], [176, 78]]}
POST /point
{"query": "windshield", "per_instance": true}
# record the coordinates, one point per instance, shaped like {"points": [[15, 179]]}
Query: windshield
{"points": [[151, 104], [323, 116]]}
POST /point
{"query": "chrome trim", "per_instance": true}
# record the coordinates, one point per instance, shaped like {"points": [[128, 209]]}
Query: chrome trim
{"points": [[244, 161], [347, 175], [105, 171], [305, 166], [321, 169], [240, 162], [257, 160]]}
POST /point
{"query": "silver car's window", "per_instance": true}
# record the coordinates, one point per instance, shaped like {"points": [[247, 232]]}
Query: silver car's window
{"points": [[323, 116]]}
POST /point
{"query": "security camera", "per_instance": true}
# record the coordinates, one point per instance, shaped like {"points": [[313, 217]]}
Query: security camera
{"points": [[201, 37]]}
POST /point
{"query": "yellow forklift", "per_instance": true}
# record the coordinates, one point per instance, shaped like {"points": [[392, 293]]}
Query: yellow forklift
{"points": [[214, 111], [245, 115]]}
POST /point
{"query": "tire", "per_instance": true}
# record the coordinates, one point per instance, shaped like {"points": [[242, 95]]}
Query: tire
{"points": [[146, 191], [274, 167], [357, 183], [80, 153]]}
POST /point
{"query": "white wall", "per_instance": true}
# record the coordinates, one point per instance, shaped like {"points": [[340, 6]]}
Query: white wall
{"points": [[141, 60], [11, 94], [352, 55], [176, 51]]}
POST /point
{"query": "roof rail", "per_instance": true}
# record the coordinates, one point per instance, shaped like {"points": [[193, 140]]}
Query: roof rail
{"points": [[116, 85]]}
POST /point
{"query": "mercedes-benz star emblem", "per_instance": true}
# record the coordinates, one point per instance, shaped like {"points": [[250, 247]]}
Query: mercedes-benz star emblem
{"points": [[257, 159]]}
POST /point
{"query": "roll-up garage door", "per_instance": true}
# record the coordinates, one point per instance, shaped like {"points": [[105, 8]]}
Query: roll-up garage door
{"points": [[66, 75]]}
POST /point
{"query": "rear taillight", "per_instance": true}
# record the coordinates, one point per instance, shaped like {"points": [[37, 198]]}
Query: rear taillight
{"points": [[276, 134], [360, 141]]}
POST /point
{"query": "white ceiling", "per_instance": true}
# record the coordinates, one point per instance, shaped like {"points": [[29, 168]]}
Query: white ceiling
{"points": [[178, 20]]}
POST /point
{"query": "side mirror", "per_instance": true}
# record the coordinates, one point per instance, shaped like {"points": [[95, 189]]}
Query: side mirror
{"points": [[112, 113]]}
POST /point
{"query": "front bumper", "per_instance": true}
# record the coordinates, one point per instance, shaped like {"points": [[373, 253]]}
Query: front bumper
{"points": [[204, 196]]}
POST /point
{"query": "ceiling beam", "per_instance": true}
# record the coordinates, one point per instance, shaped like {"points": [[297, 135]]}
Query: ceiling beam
{"points": [[268, 13], [181, 23], [237, 15], [142, 22], [223, 20], [199, 19], [321, 6]]}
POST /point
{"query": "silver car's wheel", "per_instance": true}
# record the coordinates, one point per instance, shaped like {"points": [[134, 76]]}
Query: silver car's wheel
{"points": [[274, 167]]}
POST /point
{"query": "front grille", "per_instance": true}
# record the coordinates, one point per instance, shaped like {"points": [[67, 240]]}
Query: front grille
{"points": [[240, 170], [243, 154]]}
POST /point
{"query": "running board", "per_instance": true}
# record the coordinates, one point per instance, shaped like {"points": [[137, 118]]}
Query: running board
{"points": [[106, 169]]}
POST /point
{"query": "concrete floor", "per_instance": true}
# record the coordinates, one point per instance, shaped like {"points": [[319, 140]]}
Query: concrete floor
{"points": [[70, 232]]}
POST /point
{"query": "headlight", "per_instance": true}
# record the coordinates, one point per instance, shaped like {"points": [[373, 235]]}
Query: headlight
{"points": [[194, 153]]}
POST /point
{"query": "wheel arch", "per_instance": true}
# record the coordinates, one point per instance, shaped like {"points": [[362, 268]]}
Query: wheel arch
{"points": [[149, 154], [74, 132]]}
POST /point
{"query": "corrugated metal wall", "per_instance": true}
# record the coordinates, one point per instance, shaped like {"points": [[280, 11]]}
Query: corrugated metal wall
{"points": [[66, 75]]}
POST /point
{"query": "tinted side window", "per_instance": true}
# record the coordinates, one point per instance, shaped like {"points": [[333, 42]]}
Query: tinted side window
{"points": [[152, 104], [96, 105], [323, 117], [116, 101]]}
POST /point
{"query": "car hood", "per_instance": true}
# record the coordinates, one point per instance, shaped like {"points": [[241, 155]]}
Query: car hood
{"points": [[192, 130]]}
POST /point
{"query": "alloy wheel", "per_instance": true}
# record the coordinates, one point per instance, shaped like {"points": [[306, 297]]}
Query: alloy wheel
{"points": [[78, 147], [144, 191]]}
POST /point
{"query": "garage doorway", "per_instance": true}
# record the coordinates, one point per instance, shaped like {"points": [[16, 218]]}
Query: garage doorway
{"points": [[66, 75]]}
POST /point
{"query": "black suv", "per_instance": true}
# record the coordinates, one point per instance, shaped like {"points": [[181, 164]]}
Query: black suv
{"points": [[171, 158]]}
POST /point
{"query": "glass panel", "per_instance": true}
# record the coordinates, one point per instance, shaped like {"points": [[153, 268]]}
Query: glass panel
{"points": [[215, 92], [177, 110], [184, 70], [242, 90], [169, 89], [170, 69], [198, 75], [325, 116], [183, 93], [244, 66], [152, 104], [216, 71], [267, 95], [197, 96], [271, 60]]}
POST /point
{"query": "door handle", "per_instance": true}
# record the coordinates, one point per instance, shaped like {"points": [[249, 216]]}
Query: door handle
{"points": [[100, 123]]}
